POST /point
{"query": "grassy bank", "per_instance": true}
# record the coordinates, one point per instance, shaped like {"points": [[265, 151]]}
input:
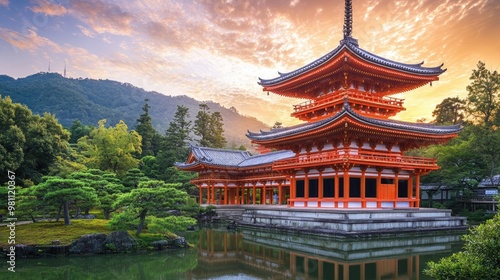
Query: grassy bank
{"points": [[43, 233]]}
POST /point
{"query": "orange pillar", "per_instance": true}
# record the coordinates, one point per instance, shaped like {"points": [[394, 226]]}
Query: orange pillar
{"points": [[280, 193], [336, 188], [320, 187], [363, 187], [208, 194], [264, 190], [225, 195], [346, 188], [417, 190], [306, 188], [292, 190], [254, 194], [201, 195], [410, 191], [396, 186]]}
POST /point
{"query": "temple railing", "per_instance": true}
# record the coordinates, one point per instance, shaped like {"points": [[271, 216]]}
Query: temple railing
{"points": [[390, 101], [347, 155]]}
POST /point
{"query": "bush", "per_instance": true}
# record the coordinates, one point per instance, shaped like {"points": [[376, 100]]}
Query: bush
{"points": [[480, 258]]}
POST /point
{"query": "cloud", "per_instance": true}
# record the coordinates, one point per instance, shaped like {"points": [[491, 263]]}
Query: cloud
{"points": [[50, 9], [4, 3], [103, 17], [29, 40]]}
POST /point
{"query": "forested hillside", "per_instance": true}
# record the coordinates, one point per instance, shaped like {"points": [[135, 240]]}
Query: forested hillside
{"points": [[90, 100]]}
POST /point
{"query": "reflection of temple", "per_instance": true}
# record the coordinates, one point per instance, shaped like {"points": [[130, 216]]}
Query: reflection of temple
{"points": [[272, 256], [347, 153]]}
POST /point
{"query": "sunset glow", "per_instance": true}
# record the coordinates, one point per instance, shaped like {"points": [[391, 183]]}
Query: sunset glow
{"points": [[216, 50]]}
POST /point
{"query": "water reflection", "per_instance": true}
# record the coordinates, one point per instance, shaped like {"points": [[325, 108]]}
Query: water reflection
{"points": [[226, 255], [266, 255]]}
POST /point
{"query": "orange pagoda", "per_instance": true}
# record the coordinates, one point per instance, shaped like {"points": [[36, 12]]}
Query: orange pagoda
{"points": [[346, 154]]}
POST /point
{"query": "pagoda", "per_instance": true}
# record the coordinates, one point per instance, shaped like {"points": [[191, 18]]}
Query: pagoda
{"points": [[347, 153]]}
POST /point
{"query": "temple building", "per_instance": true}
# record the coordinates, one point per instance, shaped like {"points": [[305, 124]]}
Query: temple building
{"points": [[347, 153]]}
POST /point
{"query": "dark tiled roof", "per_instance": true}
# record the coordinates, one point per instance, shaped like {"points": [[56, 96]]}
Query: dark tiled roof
{"points": [[232, 158], [351, 44], [392, 124]]}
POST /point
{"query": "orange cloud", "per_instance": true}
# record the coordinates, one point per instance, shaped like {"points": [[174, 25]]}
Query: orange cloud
{"points": [[4, 3], [103, 17], [50, 9], [29, 40]]}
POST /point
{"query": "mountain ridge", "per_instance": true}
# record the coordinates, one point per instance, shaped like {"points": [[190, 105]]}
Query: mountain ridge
{"points": [[90, 100]]}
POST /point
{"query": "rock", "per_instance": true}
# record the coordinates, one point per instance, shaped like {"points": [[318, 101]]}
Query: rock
{"points": [[88, 244], [161, 244], [25, 250], [180, 242], [55, 242], [120, 241], [84, 217]]}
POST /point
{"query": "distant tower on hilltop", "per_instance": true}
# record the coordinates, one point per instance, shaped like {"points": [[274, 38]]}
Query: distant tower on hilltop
{"points": [[49, 67], [64, 69]]}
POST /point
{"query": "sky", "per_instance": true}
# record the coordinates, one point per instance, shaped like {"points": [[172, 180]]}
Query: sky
{"points": [[217, 49]]}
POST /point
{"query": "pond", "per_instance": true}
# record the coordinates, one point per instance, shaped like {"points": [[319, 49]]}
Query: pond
{"points": [[249, 254]]}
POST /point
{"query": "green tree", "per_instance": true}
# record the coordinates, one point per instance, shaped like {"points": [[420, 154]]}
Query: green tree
{"points": [[58, 192], [150, 137], [177, 137], [209, 127], [483, 100], [29, 144], [133, 178], [107, 187], [479, 259], [111, 149], [152, 198], [450, 111], [78, 130]]}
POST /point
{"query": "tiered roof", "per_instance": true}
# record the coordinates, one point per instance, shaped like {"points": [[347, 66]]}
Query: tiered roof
{"points": [[233, 159], [351, 45], [347, 111]]}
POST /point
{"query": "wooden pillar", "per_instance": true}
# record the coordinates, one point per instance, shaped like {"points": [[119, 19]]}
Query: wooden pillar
{"points": [[320, 188], [292, 189], [254, 193], [346, 188], [379, 188], [213, 194], [306, 184], [264, 190], [237, 195], [280, 193], [417, 190], [396, 186], [336, 187], [363, 186], [226, 200], [410, 191], [201, 194], [208, 193]]}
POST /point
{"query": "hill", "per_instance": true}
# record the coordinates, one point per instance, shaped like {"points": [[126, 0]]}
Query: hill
{"points": [[90, 100]]}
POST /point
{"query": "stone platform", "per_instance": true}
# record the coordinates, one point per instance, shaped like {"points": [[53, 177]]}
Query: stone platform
{"points": [[343, 222]]}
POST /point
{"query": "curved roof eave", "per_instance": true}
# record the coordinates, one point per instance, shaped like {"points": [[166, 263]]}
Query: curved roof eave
{"points": [[351, 45], [391, 124]]}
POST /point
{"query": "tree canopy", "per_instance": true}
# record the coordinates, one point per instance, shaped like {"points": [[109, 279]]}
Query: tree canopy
{"points": [[29, 144], [111, 149]]}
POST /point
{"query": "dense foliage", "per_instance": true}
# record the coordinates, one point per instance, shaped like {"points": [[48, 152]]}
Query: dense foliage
{"points": [[480, 258], [29, 144]]}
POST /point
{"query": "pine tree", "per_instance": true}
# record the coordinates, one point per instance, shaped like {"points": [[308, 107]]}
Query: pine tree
{"points": [[209, 127], [150, 136]]}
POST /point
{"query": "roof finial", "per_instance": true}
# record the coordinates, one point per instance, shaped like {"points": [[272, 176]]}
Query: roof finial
{"points": [[348, 19]]}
